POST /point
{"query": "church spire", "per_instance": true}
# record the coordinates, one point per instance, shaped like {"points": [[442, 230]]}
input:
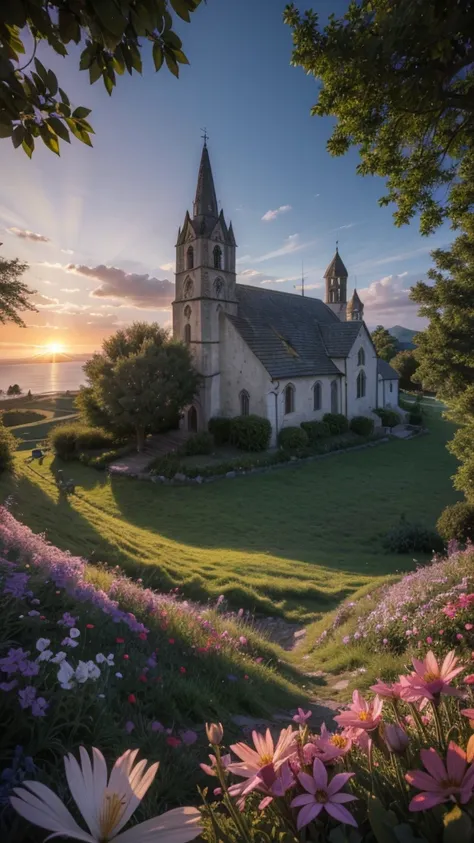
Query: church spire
{"points": [[205, 203]]}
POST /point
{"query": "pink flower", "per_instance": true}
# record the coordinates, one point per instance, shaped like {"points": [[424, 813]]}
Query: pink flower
{"points": [[396, 738], [469, 680], [327, 746], [383, 689], [453, 782], [275, 783], [302, 716], [173, 741], [323, 795], [468, 712], [361, 714], [430, 679], [265, 753], [211, 769], [132, 699]]}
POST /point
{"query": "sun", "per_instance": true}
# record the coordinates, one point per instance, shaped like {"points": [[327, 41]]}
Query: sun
{"points": [[54, 348]]}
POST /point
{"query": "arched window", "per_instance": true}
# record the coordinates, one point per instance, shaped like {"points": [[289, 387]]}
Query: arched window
{"points": [[190, 258], [361, 381], [188, 288], [391, 386], [187, 334], [218, 288], [361, 357], [217, 257], [244, 403], [289, 399], [334, 397], [317, 396], [192, 420]]}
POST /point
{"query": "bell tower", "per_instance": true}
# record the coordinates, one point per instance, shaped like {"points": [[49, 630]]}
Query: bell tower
{"points": [[204, 289], [336, 286]]}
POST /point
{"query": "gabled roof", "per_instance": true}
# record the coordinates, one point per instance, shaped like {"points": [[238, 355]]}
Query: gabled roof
{"points": [[336, 268], [285, 331], [385, 371], [340, 337]]}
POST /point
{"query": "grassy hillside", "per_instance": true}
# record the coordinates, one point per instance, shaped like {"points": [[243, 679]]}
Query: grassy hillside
{"points": [[294, 542]]}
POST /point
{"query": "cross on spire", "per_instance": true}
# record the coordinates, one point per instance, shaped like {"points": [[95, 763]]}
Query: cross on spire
{"points": [[205, 136]]}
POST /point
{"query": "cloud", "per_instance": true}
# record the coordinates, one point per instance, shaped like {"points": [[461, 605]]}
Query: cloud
{"points": [[39, 300], [140, 291], [67, 251], [388, 299], [370, 264], [254, 277], [244, 259], [344, 227], [291, 244], [272, 215], [70, 290], [168, 267], [28, 235]]}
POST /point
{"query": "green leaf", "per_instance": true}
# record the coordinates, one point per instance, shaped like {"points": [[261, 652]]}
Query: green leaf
{"points": [[110, 16], [382, 822], [173, 67], [49, 138], [95, 72], [69, 28], [136, 57], [158, 55], [64, 97], [40, 86], [181, 9], [457, 827], [17, 136], [63, 109], [78, 132], [58, 126], [28, 144], [52, 83], [180, 56], [87, 57], [41, 71], [80, 111], [172, 40]]}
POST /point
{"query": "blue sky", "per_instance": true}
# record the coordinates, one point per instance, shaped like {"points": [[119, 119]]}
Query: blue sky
{"points": [[119, 204]]}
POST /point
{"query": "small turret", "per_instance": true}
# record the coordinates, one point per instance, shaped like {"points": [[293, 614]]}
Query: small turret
{"points": [[336, 276], [355, 309]]}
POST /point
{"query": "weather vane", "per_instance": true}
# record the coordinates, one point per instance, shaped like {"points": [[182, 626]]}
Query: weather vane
{"points": [[205, 136]]}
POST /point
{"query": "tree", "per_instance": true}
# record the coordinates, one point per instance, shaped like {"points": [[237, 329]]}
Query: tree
{"points": [[385, 344], [398, 76], [32, 105], [141, 378], [14, 390], [406, 364], [13, 293]]}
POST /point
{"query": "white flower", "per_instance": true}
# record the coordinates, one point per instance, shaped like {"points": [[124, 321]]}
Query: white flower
{"points": [[82, 672], [74, 633], [100, 659], [45, 656], [59, 657], [119, 675], [65, 675], [68, 642], [42, 643], [106, 806], [94, 671]]}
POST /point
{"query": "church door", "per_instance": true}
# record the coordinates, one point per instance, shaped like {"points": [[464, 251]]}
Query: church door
{"points": [[334, 401], [192, 420]]}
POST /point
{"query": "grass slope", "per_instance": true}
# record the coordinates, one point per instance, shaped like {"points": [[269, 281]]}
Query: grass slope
{"points": [[294, 542], [56, 408]]}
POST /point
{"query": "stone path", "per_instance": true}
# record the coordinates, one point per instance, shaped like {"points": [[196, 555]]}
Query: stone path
{"points": [[155, 446]]}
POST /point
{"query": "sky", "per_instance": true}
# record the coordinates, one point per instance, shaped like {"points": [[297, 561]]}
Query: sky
{"points": [[98, 226]]}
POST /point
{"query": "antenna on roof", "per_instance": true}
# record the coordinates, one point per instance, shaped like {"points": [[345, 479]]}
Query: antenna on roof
{"points": [[302, 279]]}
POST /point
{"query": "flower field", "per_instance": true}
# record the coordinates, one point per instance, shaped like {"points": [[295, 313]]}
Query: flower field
{"points": [[88, 657]]}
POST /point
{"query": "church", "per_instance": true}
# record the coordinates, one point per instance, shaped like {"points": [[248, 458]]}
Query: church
{"points": [[287, 357]]}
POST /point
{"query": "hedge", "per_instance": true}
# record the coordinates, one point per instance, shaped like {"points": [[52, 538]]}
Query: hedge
{"points": [[11, 418], [457, 522], [362, 425], [200, 443], [316, 430], [250, 433], [292, 438], [336, 422], [389, 418], [219, 427], [8, 445], [68, 440]]}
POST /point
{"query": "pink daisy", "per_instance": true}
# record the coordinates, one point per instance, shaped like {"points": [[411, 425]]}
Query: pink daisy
{"points": [[453, 782], [361, 714], [321, 794]]}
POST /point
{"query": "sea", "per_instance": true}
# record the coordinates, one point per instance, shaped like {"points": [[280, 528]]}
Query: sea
{"points": [[42, 377]]}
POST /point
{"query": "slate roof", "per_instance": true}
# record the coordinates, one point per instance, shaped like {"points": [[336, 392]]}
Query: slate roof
{"points": [[286, 332], [385, 371], [336, 268]]}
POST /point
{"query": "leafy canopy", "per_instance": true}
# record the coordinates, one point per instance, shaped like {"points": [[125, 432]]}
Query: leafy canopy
{"points": [[141, 378], [13, 292], [111, 32], [385, 344], [406, 364], [398, 76]]}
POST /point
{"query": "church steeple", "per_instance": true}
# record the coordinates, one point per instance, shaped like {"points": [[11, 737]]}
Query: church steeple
{"points": [[205, 202], [336, 276]]}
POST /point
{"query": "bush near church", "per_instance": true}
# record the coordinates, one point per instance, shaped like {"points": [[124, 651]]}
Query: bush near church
{"points": [[68, 440], [219, 426], [250, 433], [292, 438], [389, 418], [362, 425], [200, 443], [315, 430], [8, 445], [336, 422], [457, 522]]}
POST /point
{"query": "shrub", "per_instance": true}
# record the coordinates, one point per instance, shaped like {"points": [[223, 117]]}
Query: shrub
{"points": [[457, 522], [200, 443], [220, 429], [67, 440], [389, 418], [166, 465], [316, 430], [408, 537], [104, 459], [250, 433], [11, 418], [8, 444], [362, 425], [336, 422], [292, 438]]}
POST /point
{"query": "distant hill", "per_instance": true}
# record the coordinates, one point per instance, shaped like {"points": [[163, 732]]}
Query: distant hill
{"points": [[58, 357], [404, 337]]}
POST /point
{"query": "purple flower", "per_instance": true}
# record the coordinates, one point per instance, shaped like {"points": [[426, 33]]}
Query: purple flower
{"points": [[33, 614], [156, 726], [346, 639], [30, 669], [67, 620], [16, 661], [38, 707], [16, 584], [8, 686], [302, 716], [189, 737], [129, 726], [27, 696]]}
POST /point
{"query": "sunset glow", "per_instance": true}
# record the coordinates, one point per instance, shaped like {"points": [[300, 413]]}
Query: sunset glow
{"points": [[54, 348]]}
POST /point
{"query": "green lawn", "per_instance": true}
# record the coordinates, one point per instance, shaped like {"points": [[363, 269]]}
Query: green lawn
{"points": [[56, 408], [293, 542]]}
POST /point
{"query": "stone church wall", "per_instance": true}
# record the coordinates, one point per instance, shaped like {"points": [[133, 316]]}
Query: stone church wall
{"points": [[304, 400], [362, 406], [240, 369]]}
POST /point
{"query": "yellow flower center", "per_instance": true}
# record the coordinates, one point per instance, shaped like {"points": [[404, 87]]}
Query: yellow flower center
{"points": [[266, 759], [112, 810], [364, 715], [339, 741], [429, 677], [321, 796]]}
